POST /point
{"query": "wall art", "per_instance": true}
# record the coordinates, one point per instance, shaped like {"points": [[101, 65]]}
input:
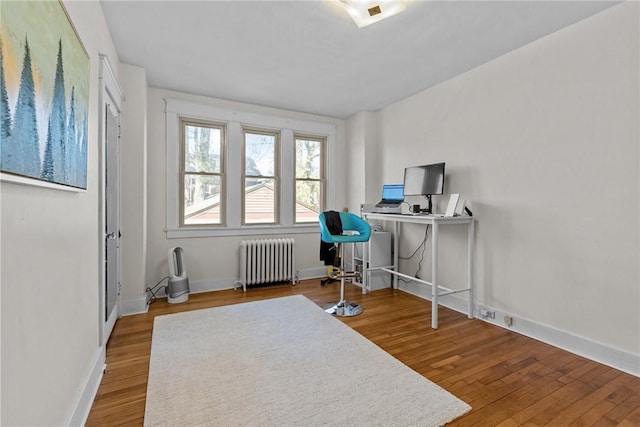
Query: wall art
{"points": [[44, 96]]}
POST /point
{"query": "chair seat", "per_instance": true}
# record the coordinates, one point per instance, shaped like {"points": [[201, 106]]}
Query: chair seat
{"points": [[350, 222]]}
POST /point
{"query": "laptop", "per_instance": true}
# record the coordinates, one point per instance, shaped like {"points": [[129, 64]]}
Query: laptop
{"points": [[392, 198]]}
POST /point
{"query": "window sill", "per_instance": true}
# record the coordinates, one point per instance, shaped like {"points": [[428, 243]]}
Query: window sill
{"points": [[193, 232]]}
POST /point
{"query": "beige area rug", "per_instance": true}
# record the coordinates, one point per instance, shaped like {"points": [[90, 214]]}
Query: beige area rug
{"points": [[282, 362]]}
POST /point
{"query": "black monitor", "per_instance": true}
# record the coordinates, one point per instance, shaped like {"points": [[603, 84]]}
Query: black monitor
{"points": [[424, 180]]}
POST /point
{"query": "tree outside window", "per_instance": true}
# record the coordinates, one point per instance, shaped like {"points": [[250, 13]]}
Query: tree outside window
{"points": [[202, 173], [309, 186]]}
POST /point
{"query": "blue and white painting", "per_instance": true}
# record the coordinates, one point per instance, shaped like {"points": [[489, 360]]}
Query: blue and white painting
{"points": [[44, 94]]}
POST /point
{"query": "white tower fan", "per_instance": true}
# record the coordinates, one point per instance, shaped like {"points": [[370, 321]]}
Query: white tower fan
{"points": [[178, 287]]}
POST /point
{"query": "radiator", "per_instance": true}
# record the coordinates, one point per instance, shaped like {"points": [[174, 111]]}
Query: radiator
{"points": [[266, 261]]}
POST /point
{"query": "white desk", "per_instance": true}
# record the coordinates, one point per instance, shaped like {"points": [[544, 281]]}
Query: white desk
{"points": [[435, 222]]}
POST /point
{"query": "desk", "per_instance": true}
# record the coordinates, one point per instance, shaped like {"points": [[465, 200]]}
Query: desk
{"points": [[435, 222]]}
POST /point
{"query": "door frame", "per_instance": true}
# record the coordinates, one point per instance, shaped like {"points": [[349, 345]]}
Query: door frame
{"points": [[110, 93]]}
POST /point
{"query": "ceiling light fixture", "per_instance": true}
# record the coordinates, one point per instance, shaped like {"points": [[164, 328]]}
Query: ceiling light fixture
{"points": [[367, 12]]}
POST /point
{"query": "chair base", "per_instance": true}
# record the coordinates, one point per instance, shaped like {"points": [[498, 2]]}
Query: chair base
{"points": [[344, 309]]}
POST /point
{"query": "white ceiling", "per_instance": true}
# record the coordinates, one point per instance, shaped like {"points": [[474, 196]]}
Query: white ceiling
{"points": [[309, 56]]}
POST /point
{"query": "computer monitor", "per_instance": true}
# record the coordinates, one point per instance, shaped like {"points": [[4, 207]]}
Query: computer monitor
{"points": [[424, 180]]}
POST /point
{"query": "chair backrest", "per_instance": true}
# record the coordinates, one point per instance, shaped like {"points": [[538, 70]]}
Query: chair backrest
{"points": [[350, 222]]}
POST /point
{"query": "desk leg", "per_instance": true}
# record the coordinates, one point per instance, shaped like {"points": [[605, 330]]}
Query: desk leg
{"points": [[434, 276], [364, 271], [396, 237], [471, 245]]}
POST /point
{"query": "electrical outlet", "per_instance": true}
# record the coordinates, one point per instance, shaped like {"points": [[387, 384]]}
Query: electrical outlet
{"points": [[487, 314], [508, 320]]}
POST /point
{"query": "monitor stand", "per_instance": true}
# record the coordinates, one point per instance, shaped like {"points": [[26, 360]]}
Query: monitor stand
{"points": [[429, 205]]}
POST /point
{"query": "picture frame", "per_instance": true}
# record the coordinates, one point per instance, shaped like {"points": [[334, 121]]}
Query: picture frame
{"points": [[44, 97]]}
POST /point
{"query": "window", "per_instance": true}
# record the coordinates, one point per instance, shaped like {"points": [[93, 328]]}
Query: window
{"points": [[309, 177], [202, 173], [219, 160], [261, 182]]}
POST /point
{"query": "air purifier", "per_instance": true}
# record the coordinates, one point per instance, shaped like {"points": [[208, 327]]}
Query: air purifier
{"points": [[178, 287]]}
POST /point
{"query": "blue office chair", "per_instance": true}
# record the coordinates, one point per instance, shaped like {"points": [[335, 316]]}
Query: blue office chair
{"points": [[350, 223]]}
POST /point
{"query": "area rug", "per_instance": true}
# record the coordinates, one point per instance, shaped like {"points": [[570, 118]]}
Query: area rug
{"points": [[282, 362]]}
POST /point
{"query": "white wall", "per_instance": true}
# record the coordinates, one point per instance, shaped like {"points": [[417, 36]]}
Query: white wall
{"points": [[355, 154], [212, 262], [133, 156], [364, 184], [49, 243], [544, 141]]}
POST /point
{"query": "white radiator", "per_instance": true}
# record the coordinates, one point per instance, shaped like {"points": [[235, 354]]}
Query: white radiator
{"points": [[266, 261]]}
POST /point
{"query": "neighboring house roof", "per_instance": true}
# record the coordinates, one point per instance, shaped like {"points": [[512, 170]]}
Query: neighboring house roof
{"points": [[259, 208]]}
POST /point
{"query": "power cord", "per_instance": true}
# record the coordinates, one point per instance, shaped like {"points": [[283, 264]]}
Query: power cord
{"points": [[411, 208], [152, 290], [424, 247]]}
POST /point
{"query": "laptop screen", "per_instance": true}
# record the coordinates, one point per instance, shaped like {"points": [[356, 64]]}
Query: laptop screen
{"points": [[393, 192]]}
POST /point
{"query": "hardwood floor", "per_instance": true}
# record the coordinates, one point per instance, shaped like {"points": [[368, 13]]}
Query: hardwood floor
{"points": [[508, 379]]}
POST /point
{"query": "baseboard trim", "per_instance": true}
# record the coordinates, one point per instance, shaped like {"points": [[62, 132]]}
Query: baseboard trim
{"points": [[83, 405], [424, 291], [133, 306], [140, 305], [311, 273], [199, 286], [581, 346]]}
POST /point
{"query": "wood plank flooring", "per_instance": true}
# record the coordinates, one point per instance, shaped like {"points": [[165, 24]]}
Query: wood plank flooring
{"points": [[508, 379]]}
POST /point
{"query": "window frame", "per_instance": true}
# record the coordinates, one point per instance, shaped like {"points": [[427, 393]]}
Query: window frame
{"points": [[276, 177], [184, 122], [236, 116], [322, 180]]}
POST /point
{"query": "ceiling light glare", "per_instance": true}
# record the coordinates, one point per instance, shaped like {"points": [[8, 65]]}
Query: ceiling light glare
{"points": [[367, 12]]}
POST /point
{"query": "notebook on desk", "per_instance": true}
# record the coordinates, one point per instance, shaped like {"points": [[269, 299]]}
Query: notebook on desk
{"points": [[392, 198]]}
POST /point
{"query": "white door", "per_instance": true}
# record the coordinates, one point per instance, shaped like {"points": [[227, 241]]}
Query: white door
{"points": [[111, 279], [109, 286], [112, 209]]}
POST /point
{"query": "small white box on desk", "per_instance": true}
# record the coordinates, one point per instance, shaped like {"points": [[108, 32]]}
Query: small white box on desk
{"points": [[453, 204]]}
